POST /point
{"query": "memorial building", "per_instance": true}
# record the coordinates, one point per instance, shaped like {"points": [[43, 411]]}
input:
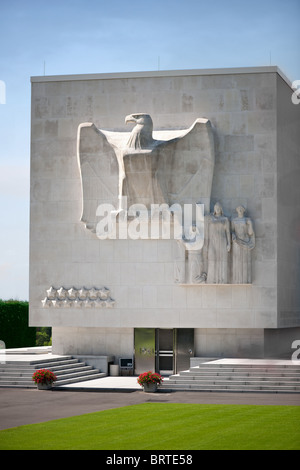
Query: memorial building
{"points": [[164, 215]]}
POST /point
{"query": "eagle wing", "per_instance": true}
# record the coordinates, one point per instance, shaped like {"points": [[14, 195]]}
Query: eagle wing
{"points": [[187, 165], [99, 171]]}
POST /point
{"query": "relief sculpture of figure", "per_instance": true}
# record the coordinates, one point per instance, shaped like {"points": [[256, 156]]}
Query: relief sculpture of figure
{"points": [[243, 241], [189, 260], [218, 246], [196, 274], [179, 267]]}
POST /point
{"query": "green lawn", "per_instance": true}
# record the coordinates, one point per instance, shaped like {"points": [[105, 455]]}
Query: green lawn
{"points": [[157, 426]]}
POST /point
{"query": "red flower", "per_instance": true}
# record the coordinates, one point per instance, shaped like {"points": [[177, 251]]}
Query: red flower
{"points": [[43, 376], [149, 377]]}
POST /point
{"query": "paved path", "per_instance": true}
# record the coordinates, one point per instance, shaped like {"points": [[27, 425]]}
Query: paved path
{"points": [[28, 406]]}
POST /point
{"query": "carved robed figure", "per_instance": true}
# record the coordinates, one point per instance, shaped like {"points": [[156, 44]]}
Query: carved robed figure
{"points": [[217, 235], [243, 241]]}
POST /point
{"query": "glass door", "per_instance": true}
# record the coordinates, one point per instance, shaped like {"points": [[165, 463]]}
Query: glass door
{"points": [[144, 350], [184, 348]]}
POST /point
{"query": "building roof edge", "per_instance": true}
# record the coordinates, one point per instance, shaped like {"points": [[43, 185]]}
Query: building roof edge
{"points": [[161, 73]]}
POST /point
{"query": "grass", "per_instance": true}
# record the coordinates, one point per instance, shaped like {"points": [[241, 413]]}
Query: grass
{"points": [[157, 426]]}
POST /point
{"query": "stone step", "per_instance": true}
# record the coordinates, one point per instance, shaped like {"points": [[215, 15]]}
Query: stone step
{"points": [[17, 383], [250, 369], [32, 366], [234, 381], [277, 378], [67, 375], [81, 368], [29, 367], [26, 375], [16, 373], [59, 382], [229, 383], [254, 365], [17, 370], [228, 388], [46, 360], [83, 378], [246, 370], [13, 378], [240, 376], [48, 364], [57, 368]]}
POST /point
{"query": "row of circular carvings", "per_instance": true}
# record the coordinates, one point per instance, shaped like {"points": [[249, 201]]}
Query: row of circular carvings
{"points": [[82, 297]]}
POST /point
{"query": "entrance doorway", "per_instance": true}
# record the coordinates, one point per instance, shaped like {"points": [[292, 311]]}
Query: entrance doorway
{"points": [[163, 350]]}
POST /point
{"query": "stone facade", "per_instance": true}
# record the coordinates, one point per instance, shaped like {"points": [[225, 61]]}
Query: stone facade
{"points": [[256, 145]]}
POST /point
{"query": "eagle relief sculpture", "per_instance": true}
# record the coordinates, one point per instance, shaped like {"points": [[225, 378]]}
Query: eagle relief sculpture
{"points": [[144, 167]]}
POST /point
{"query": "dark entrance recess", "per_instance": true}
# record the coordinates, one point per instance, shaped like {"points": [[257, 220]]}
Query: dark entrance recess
{"points": [[165, 351]]}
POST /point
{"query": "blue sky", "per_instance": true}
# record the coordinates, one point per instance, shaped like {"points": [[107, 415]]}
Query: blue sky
{"points": [[100, 36]]}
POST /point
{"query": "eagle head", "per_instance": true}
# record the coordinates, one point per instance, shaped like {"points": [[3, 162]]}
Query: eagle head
{"points": [[141, 134]]}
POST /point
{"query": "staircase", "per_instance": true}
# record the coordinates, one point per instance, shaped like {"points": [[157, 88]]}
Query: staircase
{"points": [[67, 370], [236, 378]]}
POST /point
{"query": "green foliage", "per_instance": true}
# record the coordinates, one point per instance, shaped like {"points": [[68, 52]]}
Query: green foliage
{"points": [[14, 320], [43, 336], [159, 426]]}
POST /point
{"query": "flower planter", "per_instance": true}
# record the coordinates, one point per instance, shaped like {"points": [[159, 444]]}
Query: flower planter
{"points": [[44, 379], [45, 386], [151, 387], [150, 381]]}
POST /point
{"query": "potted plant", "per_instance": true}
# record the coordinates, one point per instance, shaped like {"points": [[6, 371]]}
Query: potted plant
{"points": [[44, 379], [150, 381]]}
